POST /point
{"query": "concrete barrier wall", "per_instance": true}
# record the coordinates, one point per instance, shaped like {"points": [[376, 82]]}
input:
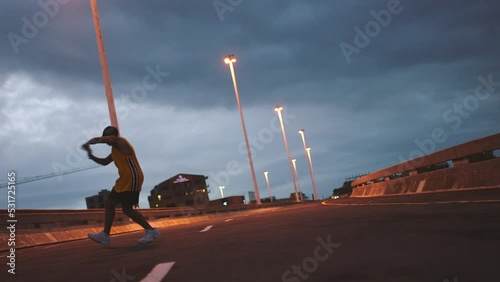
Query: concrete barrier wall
{"points": [[485, 174], [463, 175]]}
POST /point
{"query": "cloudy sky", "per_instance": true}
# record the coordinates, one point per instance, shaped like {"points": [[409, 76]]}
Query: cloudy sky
{"points": [[369, 81]]}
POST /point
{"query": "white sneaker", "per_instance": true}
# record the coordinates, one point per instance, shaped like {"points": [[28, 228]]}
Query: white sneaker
{"points": [[149, 235], [100, 237]]}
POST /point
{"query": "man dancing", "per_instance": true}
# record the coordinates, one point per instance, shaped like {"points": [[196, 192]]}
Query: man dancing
{"points": [[127, 186]]}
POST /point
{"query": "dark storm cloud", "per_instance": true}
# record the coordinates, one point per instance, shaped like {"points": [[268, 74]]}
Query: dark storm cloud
{"points": [[280, 45]]}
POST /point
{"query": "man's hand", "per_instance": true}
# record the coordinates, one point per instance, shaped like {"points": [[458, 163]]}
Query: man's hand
{"points": [[100, 161], [86, 147], [92, 141]]}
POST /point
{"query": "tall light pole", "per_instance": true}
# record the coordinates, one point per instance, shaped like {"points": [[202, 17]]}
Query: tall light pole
{"points": [[309, 163], [279, 109], [268, 186], [221, 188], [104, 64], [297, 178], [312, 171], [230, 59]]}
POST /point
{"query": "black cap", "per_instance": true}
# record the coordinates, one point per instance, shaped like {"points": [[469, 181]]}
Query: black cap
{"points": [[110, 130]]}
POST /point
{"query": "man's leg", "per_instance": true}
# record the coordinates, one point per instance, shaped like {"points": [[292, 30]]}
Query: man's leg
{"points": [[150, 233], [130, 199], [109, 215], [135, 216]]}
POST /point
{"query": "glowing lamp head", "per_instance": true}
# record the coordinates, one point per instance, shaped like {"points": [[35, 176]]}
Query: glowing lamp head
{"points": [[301, 131], [294, 160], [308, 149], [229, 59], [266, 172], [278, 108]]}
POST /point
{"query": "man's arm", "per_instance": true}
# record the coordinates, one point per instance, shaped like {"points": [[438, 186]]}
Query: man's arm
{"points": [[115, 141], [100, 161]]}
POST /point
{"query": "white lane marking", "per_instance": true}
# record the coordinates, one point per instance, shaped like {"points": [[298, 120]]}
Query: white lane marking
{"points": [[227, 220], [158, 272], [207, 228]]}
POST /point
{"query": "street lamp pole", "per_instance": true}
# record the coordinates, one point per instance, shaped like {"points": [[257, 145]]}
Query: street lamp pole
{"points": [[230, 59], [268, 186], [221, 188], [309, 163], [312, 171], [297, 178], [104, 64], [279, 109]]}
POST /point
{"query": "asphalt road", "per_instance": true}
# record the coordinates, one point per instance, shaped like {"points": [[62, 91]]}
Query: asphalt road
{"points": [[452, 237]]}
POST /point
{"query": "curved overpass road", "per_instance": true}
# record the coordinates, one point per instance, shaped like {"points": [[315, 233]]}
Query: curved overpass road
{"points": [[335, 241]]}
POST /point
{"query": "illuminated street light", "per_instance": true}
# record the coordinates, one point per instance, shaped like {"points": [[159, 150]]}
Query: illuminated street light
{"points": [[279, 109], [268, 186], [312, 171], [230, 59], [104, 64], [221, 188], [297, 178], [309, 162]]}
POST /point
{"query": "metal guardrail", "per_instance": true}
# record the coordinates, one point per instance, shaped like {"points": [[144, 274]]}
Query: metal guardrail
{"points": [[37, 220]]}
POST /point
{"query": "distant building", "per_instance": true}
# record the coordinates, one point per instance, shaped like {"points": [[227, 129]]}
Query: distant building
{"points": [[346, 189], [251, 196], [301, 196], [228, 201], [269, 200], [180, 190], [97, 201]]}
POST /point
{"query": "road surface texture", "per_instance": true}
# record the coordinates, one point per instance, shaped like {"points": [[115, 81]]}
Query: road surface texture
{"points": [[452, 237]]}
